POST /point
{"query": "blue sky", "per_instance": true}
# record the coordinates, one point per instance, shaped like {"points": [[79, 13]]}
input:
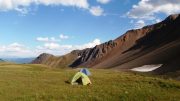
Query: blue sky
{"points": [[31, 27]]}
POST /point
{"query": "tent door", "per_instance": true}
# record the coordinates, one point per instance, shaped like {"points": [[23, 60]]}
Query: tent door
{"points": [[79, 81]]}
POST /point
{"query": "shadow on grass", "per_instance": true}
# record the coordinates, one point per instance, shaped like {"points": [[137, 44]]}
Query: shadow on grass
{"points": [[67, 82]]}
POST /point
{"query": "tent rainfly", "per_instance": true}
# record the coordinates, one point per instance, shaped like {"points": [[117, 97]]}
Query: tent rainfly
{"points": [[85, 71], [80, 78]]}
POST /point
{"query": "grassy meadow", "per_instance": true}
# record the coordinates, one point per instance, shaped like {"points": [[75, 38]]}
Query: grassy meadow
{"points": [[28, 82]]}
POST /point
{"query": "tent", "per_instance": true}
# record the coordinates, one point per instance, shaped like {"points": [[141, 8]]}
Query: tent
{"points": [[80, 78], [85, 71]]}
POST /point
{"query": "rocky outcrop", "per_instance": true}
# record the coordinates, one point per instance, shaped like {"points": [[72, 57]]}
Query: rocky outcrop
{"points": [[92, 55]]}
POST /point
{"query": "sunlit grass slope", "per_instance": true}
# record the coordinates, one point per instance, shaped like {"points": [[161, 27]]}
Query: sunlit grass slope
{"points": [[39, 83]]}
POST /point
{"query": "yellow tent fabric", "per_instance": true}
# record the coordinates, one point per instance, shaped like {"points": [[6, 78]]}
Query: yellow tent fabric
{"points": [[80, 78]]}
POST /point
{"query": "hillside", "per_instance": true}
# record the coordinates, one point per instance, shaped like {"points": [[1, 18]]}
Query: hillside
{"points": [[27, 82], [140, 47], [153, 44], [55, 61]]}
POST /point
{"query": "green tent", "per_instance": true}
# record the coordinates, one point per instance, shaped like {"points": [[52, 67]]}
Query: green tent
{"points": [[80, 78]]}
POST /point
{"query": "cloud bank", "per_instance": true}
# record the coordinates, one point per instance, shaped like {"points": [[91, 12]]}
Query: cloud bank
{"points": [[20, 4], [23, 6], [147, 10], [103, 1], [96, 10], [20, 50]]}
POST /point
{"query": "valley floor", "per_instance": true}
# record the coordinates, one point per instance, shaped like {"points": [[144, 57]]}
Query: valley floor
{"points": [[38, 83]]}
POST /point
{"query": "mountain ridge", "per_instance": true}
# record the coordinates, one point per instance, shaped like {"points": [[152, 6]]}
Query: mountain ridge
{"points": [[135, 48]]}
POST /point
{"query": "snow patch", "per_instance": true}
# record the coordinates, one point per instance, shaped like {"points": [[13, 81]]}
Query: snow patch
{"points": [[78, 57], [147, 68]]}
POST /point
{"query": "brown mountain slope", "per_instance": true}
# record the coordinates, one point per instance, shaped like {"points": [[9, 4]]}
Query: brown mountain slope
{"points": [[154, 44], [133, 45], [155, 37], [92, 56], [55, 61]]}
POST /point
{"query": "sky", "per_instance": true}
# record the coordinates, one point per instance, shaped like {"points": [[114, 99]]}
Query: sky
{"points": [[31, 27]]}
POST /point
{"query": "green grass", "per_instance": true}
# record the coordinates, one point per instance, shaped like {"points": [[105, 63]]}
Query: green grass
{"points": [[39, 83]]}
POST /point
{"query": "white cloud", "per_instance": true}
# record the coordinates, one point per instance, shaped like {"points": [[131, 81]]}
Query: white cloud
{"points": [[76, 3], [89, 45], [103, 1], [43, 39], [14, 49], [96, 11], [58, 49], [22, 5], [56, 46], [13, 4], [132, 21], [158, 20], [20, 50], [51, 46], [46, 39], [146, 9], [52, 39], [140, 24], [62, 36]]}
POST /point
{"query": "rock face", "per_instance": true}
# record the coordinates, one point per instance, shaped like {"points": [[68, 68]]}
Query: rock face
{"points": [[91, 56], [153, 44]]}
